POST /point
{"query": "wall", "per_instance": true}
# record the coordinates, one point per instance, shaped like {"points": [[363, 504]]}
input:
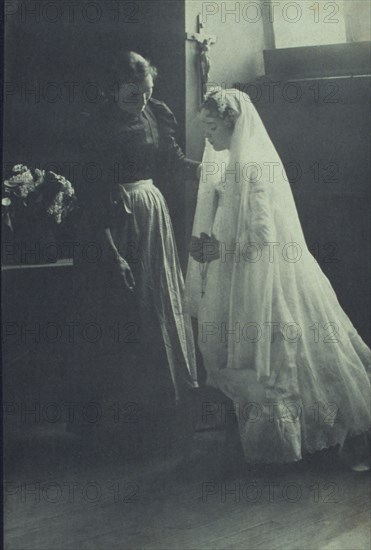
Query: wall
{"points": [[309, 24]]}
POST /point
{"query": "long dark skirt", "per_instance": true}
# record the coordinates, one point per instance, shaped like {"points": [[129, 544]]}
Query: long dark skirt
{"points": [[136, 352]]}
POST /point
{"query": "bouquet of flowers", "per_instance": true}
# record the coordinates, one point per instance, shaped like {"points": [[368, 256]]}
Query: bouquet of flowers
{"points": [[47, 195]]}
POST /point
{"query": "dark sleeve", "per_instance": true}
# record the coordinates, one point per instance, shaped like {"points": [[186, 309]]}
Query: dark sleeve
{"points": [[172, 153]]}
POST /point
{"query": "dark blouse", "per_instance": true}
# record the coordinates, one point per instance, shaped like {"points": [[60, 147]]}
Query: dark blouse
{"points": [[121, 147]]}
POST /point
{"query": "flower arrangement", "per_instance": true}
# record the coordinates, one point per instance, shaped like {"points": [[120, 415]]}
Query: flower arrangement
{"points": [[47, 195]]}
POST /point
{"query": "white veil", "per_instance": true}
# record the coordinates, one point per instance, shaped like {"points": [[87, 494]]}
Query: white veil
{"points": [[273, 290]]}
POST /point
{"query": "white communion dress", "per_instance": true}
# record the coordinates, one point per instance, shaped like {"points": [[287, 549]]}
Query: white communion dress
{"points": [[272, 333]]}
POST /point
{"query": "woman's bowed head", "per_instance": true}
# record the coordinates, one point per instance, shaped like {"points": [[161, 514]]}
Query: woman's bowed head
{"points": [[134, 78], [218, 119]]}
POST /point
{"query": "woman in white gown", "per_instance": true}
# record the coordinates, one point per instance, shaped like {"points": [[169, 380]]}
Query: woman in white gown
{"points": [[273, 336]]}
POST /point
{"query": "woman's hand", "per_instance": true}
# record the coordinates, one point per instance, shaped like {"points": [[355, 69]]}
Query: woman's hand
{"points": [[126, 273]]}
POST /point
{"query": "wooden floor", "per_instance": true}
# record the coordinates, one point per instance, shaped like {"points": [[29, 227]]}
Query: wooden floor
{"points": [[66, 493]]}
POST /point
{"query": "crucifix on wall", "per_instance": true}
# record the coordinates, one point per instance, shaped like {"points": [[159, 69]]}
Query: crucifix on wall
{"points": [[203, 41]]}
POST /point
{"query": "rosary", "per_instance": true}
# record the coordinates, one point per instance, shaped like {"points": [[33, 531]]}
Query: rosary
{"points": [[203, 273]]}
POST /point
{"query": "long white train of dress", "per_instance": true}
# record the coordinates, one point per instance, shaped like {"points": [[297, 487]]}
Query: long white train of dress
{"points": [[317, 393]]}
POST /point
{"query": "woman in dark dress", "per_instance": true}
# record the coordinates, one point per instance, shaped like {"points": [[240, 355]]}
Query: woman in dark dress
{"points": [[144, 360]]}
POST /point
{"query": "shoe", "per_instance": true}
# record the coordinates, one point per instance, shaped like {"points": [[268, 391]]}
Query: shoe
{"points": [[361, 466]]}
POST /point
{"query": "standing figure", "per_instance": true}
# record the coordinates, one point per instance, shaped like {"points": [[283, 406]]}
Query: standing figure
{"points": [[259, 296], [145, 359]]}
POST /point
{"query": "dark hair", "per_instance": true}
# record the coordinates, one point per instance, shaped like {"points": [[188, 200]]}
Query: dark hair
{"points": [[132, 67]]}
